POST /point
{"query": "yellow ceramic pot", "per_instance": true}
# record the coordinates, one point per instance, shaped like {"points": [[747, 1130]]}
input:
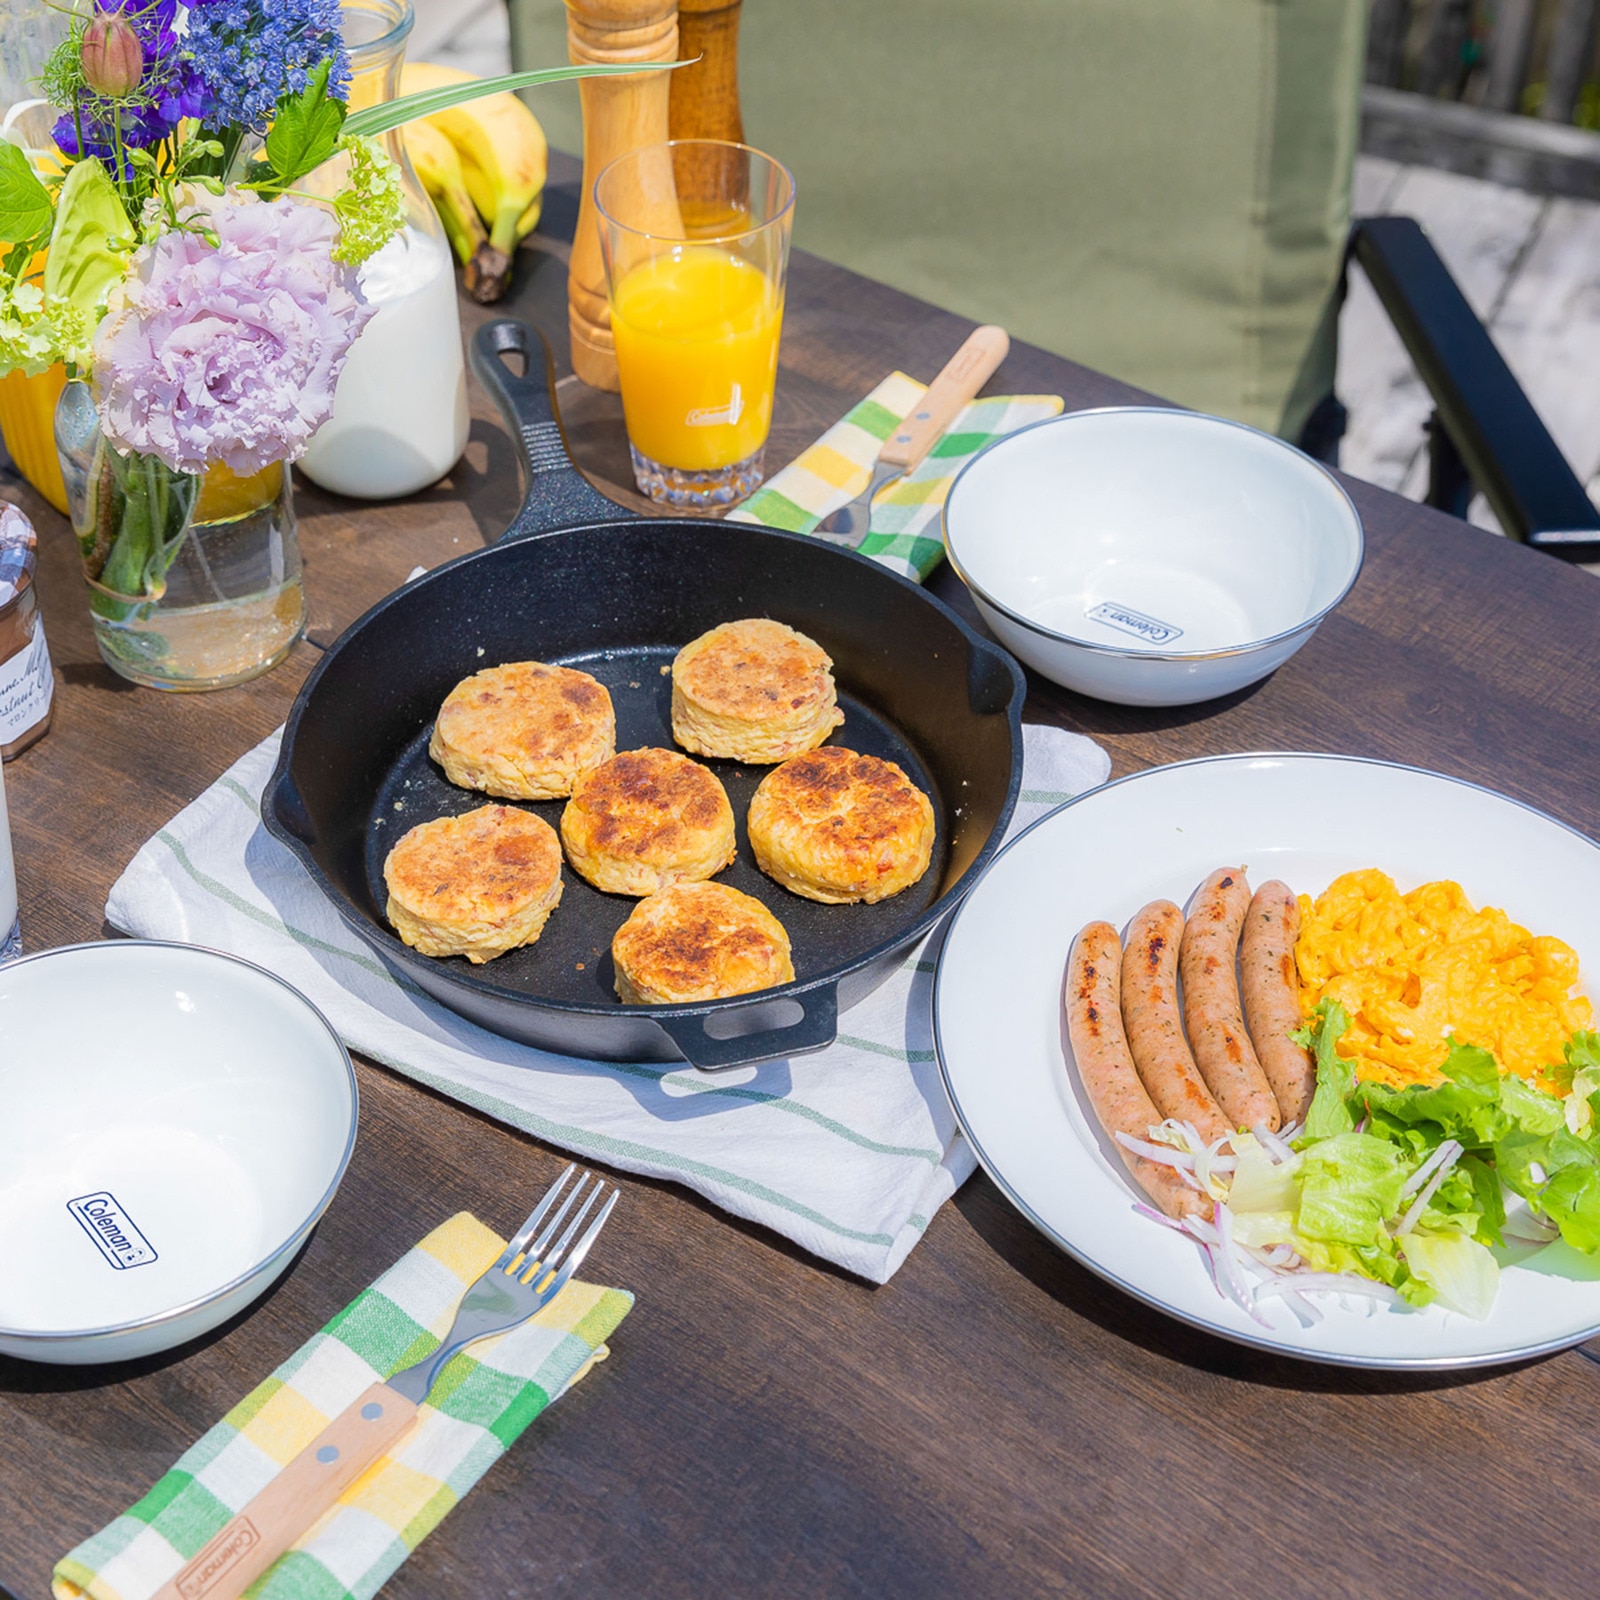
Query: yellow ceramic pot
{"points": [[27, 421]]}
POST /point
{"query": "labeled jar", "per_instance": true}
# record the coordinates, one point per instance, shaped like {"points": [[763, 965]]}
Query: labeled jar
{"points": [[27, 684]]}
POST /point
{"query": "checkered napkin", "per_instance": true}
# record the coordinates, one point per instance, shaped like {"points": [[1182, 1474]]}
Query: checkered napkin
{"points": [[478, 1408], [905, 517], [848, 1151]]}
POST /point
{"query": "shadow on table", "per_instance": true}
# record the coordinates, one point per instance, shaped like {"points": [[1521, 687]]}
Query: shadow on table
{"points": [[39, 1377], [1054, 1272]]}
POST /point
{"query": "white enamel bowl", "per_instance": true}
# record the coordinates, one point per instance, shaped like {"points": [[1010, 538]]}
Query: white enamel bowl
{"points": [[1148, 556], [175, 1122], [1302, 818]]}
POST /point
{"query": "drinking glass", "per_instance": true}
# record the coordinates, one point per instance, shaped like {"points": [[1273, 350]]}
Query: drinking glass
{"points": [[695, 235]]}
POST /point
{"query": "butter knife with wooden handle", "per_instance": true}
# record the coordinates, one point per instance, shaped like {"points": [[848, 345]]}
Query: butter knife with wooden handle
{"points": [[964, 374], [528, 1275]]}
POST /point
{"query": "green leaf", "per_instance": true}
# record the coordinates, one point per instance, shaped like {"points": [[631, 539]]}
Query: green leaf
{"points": [[1329, 1112], [1537, 1111], [25, 209], [305, 129], [1468, 1106], [92, 241], [1349, 1185], [396, 113], [1459, 1270]]}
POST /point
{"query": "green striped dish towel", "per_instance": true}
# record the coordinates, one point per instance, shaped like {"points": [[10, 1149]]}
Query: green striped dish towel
{"points": [[480, 1405], [905, 517], [848, 1152]]}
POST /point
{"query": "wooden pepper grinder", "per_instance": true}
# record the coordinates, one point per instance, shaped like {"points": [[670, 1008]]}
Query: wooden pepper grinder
{"points": [[619, 114], [705, 97]]}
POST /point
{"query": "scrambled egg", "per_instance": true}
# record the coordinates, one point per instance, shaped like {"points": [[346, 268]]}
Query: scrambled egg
{"points": [[1413, 969]]}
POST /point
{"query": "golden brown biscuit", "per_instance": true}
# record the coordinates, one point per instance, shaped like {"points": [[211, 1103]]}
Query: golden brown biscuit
{"points": [[836, 826], [753, 691], [476, 885], [646, 819], [524, 730], [698, 941]]}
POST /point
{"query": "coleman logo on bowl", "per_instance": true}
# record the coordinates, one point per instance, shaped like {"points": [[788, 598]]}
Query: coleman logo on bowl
{"points": [[118, 1240], [1134, 622]]}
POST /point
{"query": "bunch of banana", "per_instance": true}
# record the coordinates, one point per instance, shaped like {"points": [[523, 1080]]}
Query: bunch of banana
{"points": [[482, 160]]}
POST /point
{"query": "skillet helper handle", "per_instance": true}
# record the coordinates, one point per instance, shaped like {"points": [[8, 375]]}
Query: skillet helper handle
{"points": [[558, 495], [965, 373], [232, 1560], [815, 1029], [281, 802]]}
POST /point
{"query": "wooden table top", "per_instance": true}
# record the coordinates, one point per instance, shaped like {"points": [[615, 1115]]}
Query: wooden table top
{"points": [[995, 1420]]}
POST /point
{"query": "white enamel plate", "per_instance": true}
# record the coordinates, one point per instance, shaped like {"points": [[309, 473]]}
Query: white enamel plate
{"points": [[1304, 819]]}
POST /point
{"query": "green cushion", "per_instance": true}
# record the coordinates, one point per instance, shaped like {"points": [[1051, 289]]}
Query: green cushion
{"points": [[1156, 188]]}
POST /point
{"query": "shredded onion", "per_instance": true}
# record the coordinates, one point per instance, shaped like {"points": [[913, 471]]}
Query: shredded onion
{"points": [[1158, 1216], [1530, 1229], [1163, 1155], [1272, 1143], [1425, 1171], [1328, 1283], [1229, 1259], [1537, 1173], [1451, 1151]]}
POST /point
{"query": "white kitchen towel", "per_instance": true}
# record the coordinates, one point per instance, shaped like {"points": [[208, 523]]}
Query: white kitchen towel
{"points": [[848, 1151]]}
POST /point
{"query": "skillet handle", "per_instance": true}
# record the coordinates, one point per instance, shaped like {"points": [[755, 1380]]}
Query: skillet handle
{"points": [[814, 1029], [558, 495], [282, 809]]}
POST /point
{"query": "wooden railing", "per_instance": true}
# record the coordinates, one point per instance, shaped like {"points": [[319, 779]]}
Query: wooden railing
{"points": [[1541, 57]]}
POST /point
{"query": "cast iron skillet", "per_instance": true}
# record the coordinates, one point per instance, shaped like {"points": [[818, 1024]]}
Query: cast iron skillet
{"points": [[578, 580]]}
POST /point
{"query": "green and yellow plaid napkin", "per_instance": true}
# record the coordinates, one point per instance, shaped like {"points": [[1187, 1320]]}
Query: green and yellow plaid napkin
{"points": [[905, 517], [479, 1405]]}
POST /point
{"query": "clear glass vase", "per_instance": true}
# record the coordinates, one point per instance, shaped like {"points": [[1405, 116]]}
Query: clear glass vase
{"points": [[194, 582]]}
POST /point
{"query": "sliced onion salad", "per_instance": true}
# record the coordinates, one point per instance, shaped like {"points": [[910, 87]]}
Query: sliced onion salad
{"points": [[1246, 1274]]}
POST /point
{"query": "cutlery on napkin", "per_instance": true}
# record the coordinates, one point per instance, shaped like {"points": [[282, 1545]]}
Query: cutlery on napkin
{"points": [[905, 534], [964, 374], [487, 1397]]}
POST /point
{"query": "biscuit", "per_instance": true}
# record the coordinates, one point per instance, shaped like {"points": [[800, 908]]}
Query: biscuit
{"points": [[753, 691], [836, 826], [524, 731], [698, 941], [476, 885], [646, 819]]}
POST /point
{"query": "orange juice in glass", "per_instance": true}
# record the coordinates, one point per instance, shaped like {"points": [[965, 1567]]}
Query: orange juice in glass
{"points": [[696, 242]]}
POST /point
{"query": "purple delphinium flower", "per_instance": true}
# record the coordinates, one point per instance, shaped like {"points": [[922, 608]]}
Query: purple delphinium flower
{"points": [[250, 55], [229, 353], [169, 90]]}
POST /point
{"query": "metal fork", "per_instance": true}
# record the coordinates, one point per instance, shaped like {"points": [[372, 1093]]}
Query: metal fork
{"points": [[964, 374], [530, 1272]]}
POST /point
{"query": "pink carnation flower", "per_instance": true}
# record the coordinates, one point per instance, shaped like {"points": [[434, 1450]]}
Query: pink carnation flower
{"points": [[229, 353]]}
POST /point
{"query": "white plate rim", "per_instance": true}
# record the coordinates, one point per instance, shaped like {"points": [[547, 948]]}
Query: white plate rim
{"points": [[189, 1307], [1264, 1343]]}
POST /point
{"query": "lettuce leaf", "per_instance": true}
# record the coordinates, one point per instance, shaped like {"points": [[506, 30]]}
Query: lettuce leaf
{"points": [[1329, 1113], [1349, 1186], [1467, 1106], [1460, 1271]]}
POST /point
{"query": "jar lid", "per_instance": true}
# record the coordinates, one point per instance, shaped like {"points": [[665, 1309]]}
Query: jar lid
{"points": [[18, 543]]}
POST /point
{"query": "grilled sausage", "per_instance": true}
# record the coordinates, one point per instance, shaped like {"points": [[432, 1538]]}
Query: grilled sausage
{"points": [[1272, 997], [1094, 1025], [1208, 961], [1154, 1027]]}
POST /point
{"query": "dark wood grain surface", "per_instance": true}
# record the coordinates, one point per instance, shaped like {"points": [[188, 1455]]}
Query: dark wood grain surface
{"points": [[995, 1421]]}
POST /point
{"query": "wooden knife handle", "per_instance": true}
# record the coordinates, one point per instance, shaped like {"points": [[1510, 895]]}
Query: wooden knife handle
{"points": [[229, 1563], [964, 375]]}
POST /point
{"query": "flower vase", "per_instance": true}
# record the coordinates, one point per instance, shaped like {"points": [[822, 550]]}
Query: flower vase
{"points": [[194, 580]]}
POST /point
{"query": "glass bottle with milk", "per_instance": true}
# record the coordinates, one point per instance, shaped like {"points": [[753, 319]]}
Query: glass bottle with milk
{"points": [[399, 417]]}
